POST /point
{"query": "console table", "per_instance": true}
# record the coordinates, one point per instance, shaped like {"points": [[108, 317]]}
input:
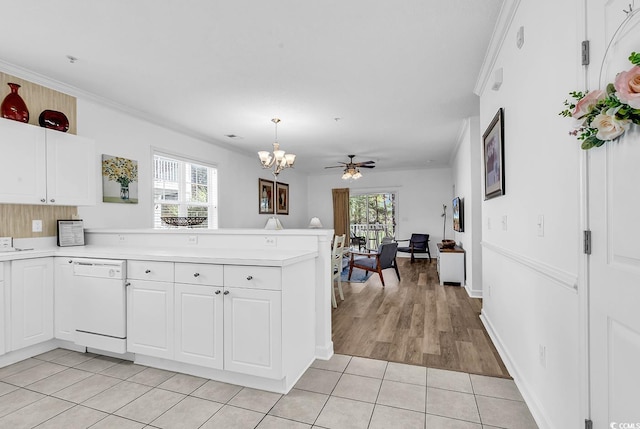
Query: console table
{"points": [[451, 264]]}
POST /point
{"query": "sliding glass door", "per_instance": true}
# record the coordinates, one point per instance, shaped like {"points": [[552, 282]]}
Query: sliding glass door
{"points": [[373, 216]]}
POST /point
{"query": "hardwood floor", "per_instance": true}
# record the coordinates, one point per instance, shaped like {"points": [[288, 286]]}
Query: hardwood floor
{"points": [[415, 321]]}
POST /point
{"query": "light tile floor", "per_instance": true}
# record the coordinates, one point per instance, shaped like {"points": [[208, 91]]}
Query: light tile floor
{"points": [[66, 389]]}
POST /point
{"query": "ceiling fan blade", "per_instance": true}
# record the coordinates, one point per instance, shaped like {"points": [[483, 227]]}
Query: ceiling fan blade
{"points": [[367, 162], [336, 166], [367, 166]]}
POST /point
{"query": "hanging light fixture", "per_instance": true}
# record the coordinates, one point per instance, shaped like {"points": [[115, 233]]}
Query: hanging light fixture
{"points": [[351, 173], [279, 160]]}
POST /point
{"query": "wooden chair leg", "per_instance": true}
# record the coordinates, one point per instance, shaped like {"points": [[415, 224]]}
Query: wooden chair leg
{"points": [[350, 271], [395, 265], [340, 289]]}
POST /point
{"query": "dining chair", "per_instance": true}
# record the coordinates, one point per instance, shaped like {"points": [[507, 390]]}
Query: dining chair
{"points": [[384, 258], [337, 253]]}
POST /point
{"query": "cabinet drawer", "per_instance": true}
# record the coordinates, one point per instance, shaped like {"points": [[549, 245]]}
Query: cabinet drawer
{"points": [[249, 276], [150, 270], [201, 274]]}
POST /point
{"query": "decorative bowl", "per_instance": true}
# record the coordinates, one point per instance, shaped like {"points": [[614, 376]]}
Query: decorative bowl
{"points": [[448, 244], [183, 220]]}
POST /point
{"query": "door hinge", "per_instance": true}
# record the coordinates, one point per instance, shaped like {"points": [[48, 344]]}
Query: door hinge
{"points": [[585, 53], [587, 242], [588, 424]]}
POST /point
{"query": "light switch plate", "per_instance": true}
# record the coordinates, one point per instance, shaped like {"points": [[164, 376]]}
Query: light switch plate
{"points": [[540, 226], [6, 242]]}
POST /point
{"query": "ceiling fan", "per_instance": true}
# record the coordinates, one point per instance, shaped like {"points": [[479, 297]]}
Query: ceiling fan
{"points": [[352, 169]]}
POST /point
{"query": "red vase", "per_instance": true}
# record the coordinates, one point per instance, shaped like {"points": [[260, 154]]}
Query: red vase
{"points": [[13, 106]]}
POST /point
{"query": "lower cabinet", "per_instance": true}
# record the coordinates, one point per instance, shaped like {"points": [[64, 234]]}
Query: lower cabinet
{"points": [[198, 325], [31, 302], [64, 328], [150, 318], [3, 310], [252, 332]]}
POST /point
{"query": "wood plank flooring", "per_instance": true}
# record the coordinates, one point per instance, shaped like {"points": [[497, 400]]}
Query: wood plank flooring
{"points": [[415, 321]]}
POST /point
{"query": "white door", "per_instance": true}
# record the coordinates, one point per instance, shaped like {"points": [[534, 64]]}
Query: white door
{"points": [[71, 169], [198, 327], [614, 266], [31, 302], [150, 318], [252, 332], [63, 299]]}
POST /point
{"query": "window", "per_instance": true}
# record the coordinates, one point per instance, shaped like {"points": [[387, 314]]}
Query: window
{"points": [[373, 216], [184, 188]]}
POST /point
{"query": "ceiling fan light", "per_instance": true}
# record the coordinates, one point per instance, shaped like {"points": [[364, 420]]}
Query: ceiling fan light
{"points": [[357, 175], [346, 175]]}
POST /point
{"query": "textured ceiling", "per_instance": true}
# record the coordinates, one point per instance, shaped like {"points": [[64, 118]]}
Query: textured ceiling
{"points": [[398, 73]]}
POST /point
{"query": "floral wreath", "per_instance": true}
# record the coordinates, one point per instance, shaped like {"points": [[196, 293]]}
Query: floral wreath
{"points": [[604, 115]]}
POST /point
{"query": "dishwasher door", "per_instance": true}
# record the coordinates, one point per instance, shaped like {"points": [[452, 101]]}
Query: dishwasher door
{"points": [[99, 303]]}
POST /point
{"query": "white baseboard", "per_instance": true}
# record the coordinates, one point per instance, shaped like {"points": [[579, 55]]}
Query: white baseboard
{"points": [[525, 390], [473, 293]]}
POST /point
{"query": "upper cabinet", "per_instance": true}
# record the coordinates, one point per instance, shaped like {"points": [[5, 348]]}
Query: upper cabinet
{"points": [[42, 166]]}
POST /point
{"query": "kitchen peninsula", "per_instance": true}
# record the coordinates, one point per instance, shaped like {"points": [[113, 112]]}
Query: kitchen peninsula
{"points": [[249, 307]]}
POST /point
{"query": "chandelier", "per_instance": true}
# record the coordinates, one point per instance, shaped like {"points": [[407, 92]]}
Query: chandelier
{"points": [[279, 160]]}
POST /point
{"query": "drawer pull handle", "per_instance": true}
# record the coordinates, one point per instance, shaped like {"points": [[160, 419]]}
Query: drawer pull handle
{"points": [[147, 271], [53, 200], [127, 284], [70, 261], [196, 274], [249, 277], [42, 200], [226, 292], [217, 292]]}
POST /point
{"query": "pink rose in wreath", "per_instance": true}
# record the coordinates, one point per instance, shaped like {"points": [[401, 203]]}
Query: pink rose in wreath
{"points": [[586, 104], [627, 86]]}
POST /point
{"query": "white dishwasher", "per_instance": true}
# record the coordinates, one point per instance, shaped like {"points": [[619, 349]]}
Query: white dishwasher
{"points": [[100, 304]]}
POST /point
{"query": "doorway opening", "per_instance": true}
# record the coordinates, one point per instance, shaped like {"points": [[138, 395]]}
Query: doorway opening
{"points": [[373, 216]]}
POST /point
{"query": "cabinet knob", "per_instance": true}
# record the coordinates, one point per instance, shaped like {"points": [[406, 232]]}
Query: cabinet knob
{"points": [[249, 277], [147, 271], [196, 274], [226, 292], [43, 200], [127, 284], [53, 200], [217, 292]]}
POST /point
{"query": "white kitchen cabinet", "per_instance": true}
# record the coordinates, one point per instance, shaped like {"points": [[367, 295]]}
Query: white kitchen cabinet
{"points": [[253, 331], [31, 302], [199, 325], [199, 314], [3, 309], [43, 166], [150, 308], [63, 298]]}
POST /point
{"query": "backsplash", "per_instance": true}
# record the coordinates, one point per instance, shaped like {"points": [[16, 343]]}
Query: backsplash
{"points": [[16, 219]]}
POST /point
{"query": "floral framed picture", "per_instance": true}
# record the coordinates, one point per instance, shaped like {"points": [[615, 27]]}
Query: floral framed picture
{"points": [[119, 180], [282, 198], [493, 142], [265, 196]]}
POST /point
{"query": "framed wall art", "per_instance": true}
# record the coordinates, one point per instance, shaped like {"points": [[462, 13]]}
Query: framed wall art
{"points": [[119, 180], [265, 196], [493, 141], [458, 214], [282, 198]]}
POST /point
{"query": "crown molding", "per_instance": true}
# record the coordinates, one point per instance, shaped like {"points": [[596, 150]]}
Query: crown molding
{"points": [[505, 18], [73, 91]]}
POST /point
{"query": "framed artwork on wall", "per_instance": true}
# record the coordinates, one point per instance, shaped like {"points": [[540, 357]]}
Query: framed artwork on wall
{"points": [[458, 214], [282, 198], [265, 196], [493, 142], [119, 180]]}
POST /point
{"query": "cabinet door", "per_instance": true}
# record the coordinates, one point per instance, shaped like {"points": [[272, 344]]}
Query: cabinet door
{"points": [[252, 332], [150, 318], [71, 169], [22, 164], [31, 302], [63, 299], [198, 324]]}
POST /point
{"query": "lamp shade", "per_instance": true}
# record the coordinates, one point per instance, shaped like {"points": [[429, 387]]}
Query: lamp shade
{"points": [[315, 223], [273, 223]]}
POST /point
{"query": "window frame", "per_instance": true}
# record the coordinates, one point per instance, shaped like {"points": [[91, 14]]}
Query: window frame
{"points": [[213, 195]]}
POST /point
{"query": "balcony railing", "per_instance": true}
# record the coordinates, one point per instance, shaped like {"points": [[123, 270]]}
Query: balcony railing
{"points": [[373, 233]]}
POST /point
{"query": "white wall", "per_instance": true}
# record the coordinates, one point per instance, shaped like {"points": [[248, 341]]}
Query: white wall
{"points": [[529, 282], [467, 182], [119, 134], [421, 194]]}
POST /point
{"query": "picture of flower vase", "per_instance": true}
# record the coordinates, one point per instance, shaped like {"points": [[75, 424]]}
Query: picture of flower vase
{"points": [[13, 106], [119, 180]]}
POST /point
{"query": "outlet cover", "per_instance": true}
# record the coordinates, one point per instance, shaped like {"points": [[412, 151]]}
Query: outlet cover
{"points": [[270, 241], [36, 226], [192, 239]]}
